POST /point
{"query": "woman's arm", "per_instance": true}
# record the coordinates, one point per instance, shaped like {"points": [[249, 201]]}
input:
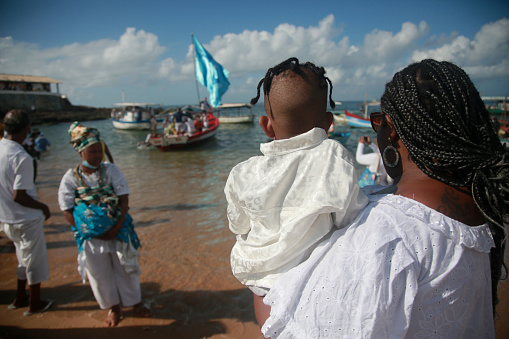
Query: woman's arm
{"points": [[22, 198], [262, 311], [70, 217]]}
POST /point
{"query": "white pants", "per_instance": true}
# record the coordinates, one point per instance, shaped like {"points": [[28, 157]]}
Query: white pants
{"points": [[109, 281], [31, 250]]}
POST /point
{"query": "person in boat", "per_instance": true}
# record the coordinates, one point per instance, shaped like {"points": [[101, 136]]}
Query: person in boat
{"points": [[198, 124], [178, 120], [23, 215], [94, 198], [281, 204], [153, 122], [190, 129], [205, 121], [375, 172], [204, 105], [424, 258]]}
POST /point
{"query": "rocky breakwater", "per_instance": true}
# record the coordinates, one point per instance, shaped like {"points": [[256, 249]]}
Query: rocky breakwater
{"points": [[74, 113]]}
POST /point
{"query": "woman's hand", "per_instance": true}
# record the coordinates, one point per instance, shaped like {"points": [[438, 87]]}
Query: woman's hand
{"points": [[365, 139], [111, 234]]}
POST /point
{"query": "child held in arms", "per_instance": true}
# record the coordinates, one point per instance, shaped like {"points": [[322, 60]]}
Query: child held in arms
{"points": [[281, 204]]}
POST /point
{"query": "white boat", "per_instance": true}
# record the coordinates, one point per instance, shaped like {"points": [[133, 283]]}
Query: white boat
{"points": [[235, 113], [339, 118], [132, 115]]}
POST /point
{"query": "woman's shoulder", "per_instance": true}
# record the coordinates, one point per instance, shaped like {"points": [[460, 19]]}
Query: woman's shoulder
{"points": [[410, 219]]}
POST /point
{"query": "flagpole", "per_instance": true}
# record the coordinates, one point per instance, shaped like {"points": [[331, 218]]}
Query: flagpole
{"points": [[194, 59]]}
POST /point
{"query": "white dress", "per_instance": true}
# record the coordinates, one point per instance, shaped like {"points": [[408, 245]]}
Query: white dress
{"points": [[100, 260], [283, 203], [400, 270]]}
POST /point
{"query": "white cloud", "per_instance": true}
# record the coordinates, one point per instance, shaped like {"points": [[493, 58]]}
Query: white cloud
{"points": [[138, 59], [486, 56]]}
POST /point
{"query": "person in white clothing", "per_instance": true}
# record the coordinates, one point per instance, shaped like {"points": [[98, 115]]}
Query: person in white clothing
{"points": [[424, 258], [281, 204], [372, 161], [190, 129], [94, 198], [22, 214]]}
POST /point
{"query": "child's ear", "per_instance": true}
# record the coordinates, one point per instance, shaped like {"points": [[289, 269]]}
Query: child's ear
{"points": [[266, 126], [329, 118]]}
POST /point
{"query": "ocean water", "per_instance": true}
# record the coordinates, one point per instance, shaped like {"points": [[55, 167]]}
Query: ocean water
{"points": [[190, 179]]}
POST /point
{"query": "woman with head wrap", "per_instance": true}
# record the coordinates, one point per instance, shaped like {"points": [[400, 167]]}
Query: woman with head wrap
{"points": [[94, 197]]}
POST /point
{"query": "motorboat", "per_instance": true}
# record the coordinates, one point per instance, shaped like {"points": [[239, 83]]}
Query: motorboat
{"points": [[132, 115], [235, 113]]}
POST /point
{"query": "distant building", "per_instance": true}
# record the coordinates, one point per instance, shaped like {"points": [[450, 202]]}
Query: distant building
{"points": [[29, 92]]}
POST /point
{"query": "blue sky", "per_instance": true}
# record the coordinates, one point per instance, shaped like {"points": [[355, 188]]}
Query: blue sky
{"points": [[100, 48]]}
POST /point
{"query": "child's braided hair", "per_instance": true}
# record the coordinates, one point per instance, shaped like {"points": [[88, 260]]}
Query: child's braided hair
{"points": [[293, 65]]}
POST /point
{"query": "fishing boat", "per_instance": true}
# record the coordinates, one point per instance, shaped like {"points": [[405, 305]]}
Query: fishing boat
{"points": [[132, 116], [357, 121], [167, 142], [235, 113]]}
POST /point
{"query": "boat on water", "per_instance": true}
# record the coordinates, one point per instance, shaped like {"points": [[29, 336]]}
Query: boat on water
{"points": [[339, 118], [132, 116], [357, 121], [362, 121], [235, 113], [167, 142]]}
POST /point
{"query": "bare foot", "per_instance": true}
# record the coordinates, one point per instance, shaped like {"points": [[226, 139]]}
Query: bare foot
{"points": [[143, 311], [114, 316]]}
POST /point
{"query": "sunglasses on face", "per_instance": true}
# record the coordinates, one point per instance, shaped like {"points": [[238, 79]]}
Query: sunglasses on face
{"points": [[376, 120]]}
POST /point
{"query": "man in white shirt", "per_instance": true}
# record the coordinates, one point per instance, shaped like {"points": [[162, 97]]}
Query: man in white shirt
{"points": [[22, 214]]}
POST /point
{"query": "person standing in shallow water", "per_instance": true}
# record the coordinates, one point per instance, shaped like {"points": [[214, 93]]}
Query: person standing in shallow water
{"points": [[22, 214], [424, 258], [95, 199]]}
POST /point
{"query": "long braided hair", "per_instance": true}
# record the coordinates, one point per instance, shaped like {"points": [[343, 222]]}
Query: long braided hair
{"points": [[293, 65], [441, 119]]}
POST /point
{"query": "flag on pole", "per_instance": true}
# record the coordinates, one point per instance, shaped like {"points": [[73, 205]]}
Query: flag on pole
{"points": [[210, 74]]}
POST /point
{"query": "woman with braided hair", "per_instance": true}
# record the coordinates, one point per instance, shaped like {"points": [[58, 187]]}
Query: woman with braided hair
{"points": [[94, 198], [424, 258]]}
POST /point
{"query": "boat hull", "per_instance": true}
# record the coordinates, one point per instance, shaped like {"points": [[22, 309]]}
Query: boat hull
{"points": [[357, 121], [339, 118], [131, 125], [171, 142], [246, 119]]}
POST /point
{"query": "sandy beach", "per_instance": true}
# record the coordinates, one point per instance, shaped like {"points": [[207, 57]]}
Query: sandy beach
{"points": [[186, 278], [189, 288]]}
